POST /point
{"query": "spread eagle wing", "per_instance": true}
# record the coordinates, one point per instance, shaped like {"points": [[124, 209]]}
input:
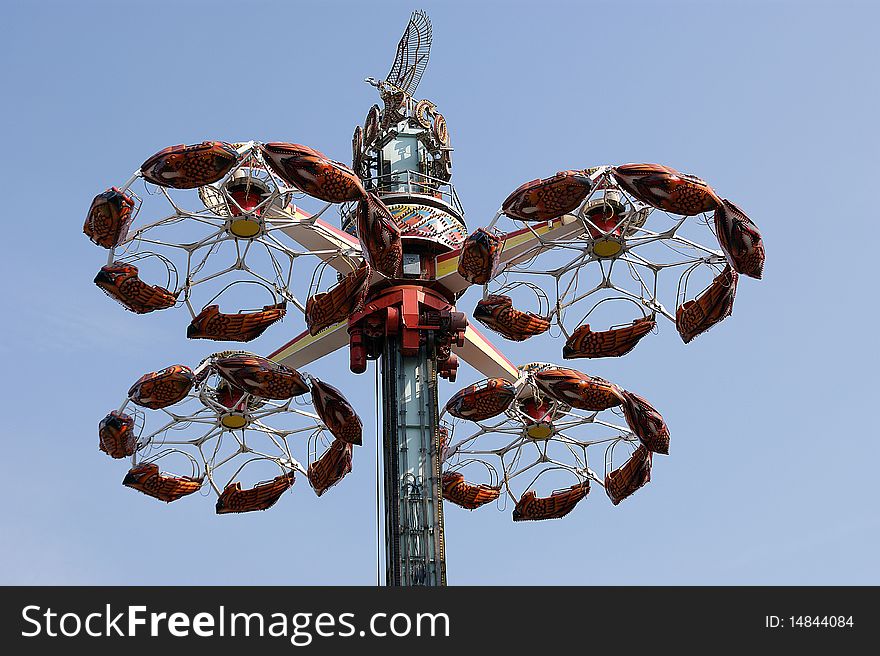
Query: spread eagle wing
{"points": [[412, 54]]}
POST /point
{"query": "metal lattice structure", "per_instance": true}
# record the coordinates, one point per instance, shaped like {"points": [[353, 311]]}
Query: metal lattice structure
{"points": [[214, 427], [536, 445], [206, 242], [622, 253]]}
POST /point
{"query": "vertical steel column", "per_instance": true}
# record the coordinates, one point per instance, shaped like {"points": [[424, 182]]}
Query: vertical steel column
{"points": [[414, 542]]}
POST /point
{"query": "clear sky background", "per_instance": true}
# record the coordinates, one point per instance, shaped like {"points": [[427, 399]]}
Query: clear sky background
{"points": [[772, 472]]}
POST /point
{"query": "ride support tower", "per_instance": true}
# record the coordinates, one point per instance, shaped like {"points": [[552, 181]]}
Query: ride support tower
{"points": [[410, 323]]}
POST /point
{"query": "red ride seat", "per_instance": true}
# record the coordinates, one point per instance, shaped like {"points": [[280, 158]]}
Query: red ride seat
{"points": [[340, 302], [188, 167], [210, 323], [159, 389], [116, 435], [482, 400], [646, 423], [331, 467], [579, 390], [633, 474], [109, 218], [740, 239], [467, 495], [480, 255], [613, 343], [260, 497], [260, 376], [497, 313], [531, 507], [666, 189], [548, 198], [149, 480], [712, 306], [120, 282], [379, 235], [313, 172], [337, 413]]}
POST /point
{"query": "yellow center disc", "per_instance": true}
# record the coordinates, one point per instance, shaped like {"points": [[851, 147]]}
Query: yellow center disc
{"points": [[244, 228], [540, 431], [233, 421], [607, 248]]}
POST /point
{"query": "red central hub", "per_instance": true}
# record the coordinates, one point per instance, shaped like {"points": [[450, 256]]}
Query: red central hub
{"points": [[540, 423], [231, 397], [248, 197], [606, 220], [535, 410], [415, 315]]}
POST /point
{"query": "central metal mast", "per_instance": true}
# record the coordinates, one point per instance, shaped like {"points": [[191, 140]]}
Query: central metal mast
{"points": [[402, 154], [414, 541]]}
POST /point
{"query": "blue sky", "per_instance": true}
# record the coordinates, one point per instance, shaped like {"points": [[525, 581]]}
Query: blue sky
{"points": [[771, 477]]}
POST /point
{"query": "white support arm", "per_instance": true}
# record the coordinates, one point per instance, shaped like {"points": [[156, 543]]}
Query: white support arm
{"points": [[483, 356], [304, 349], [317, 235]]}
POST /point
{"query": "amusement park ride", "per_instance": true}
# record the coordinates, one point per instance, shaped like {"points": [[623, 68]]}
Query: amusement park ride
{"points": [[561, 254]]}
